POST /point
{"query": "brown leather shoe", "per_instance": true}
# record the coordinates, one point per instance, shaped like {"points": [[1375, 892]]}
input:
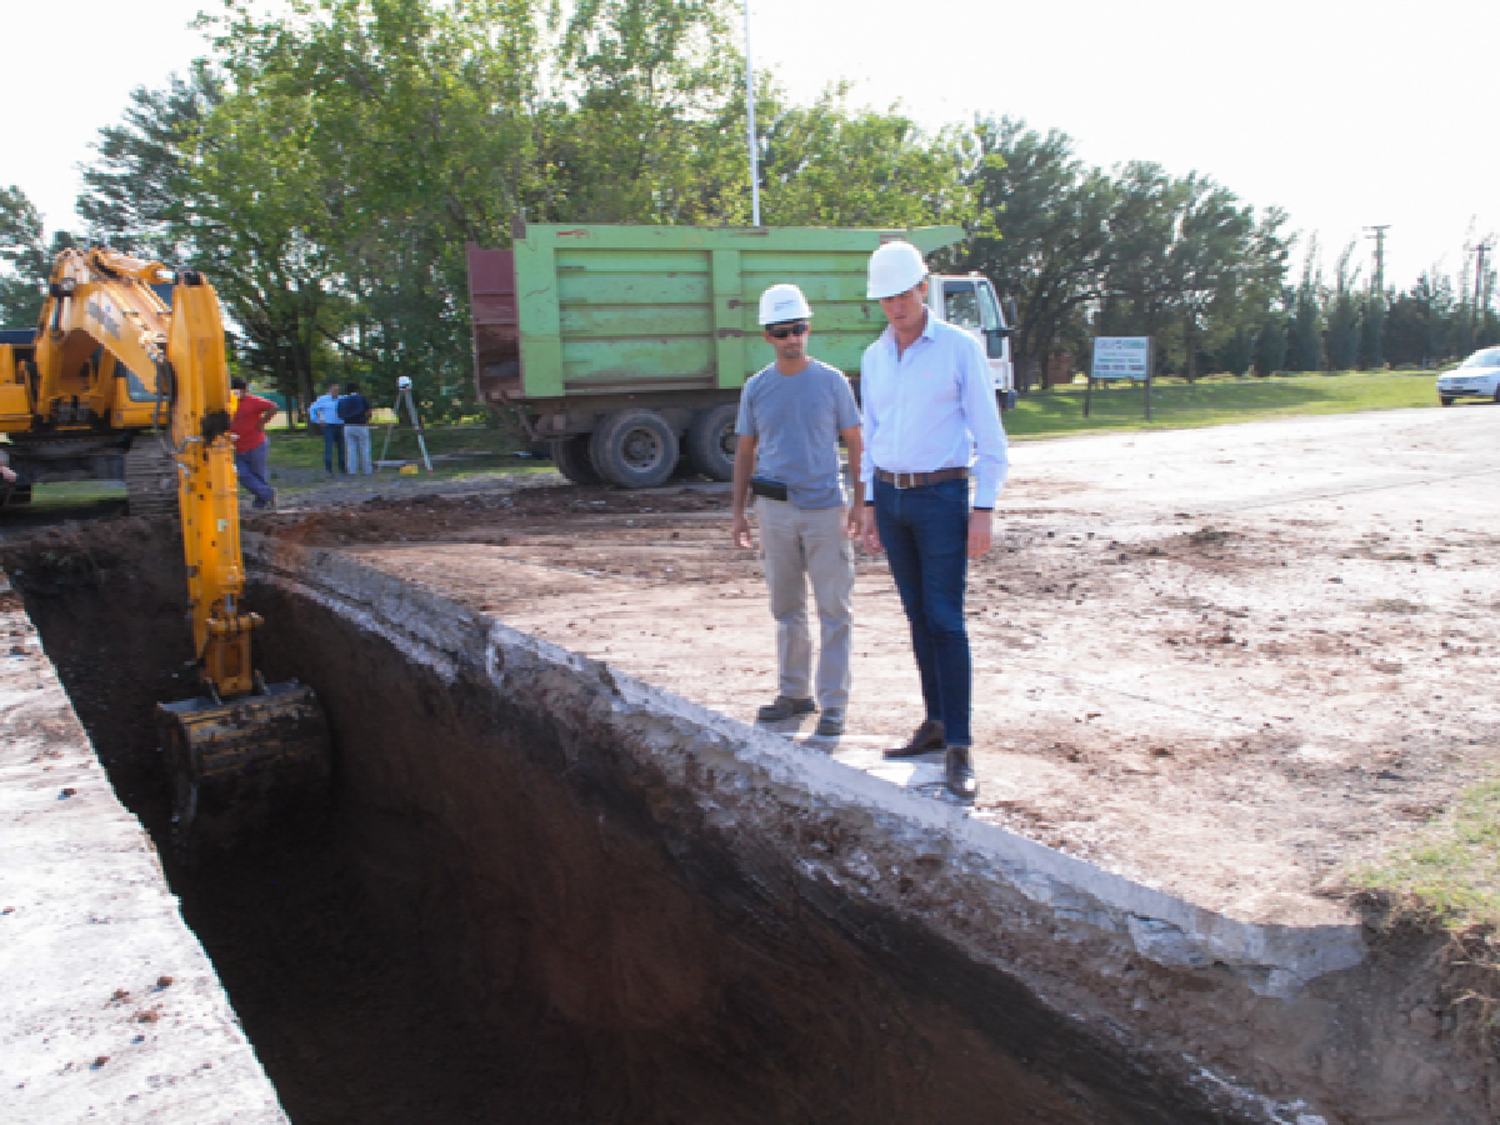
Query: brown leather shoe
{"points": [[927, 738]]}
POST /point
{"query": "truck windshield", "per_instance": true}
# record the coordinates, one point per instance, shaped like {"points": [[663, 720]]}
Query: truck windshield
{"points": [[961, 304]]}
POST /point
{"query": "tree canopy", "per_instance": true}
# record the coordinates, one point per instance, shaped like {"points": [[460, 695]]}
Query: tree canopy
{"points": [[326, 166]]}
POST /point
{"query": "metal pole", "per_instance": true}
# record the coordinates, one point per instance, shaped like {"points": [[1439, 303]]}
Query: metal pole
{"points": [[750, 104], [416, 424]]}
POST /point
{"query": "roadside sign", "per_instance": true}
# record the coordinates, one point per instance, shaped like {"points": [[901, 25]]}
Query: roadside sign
{"points": [[1120, 357]]}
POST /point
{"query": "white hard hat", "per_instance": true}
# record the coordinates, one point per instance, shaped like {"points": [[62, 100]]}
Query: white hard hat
{"points": [[783, 302], [403, 382], [895, 268]]}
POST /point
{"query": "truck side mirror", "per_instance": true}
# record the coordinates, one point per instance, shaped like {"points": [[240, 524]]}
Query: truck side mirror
{"points": [[994, 340]]}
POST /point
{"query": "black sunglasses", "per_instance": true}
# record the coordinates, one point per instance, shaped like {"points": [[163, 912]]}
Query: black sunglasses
{"points": [[782, 331]]}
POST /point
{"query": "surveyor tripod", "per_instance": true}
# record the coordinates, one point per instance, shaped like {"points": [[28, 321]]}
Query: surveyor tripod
{"points": [[404, 398]]}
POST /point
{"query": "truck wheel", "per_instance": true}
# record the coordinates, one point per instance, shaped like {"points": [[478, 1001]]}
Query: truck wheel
{"points": [[711, 441], [571, 456], [634, 449], [1446, 400]]}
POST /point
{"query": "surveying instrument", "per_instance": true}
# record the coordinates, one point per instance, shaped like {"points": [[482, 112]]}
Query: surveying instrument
{"points": [[404, 398]]}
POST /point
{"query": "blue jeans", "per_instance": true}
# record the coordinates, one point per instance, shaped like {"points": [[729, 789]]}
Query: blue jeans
{"points": [[925, 532], [333, 440], [252, 471]]}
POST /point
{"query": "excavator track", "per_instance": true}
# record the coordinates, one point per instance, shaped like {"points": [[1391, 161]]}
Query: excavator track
{"points": [[251, 769], [150, 478]]}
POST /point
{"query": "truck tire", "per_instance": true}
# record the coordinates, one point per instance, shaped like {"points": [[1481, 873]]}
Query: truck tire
{"points": [[711, 441], [634, 449], [571, 456]]}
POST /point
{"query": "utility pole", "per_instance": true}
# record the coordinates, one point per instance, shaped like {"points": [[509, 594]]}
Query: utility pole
{"points": [[750, 104], [1379, 237], [1480, 251]]}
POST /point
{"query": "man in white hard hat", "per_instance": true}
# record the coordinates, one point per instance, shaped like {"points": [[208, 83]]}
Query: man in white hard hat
{"points": [[792, 415], [932, 426]]}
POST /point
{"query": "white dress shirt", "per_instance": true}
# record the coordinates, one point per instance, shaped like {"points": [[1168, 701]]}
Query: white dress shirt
{"points": [[325, 411], [932, 408]]}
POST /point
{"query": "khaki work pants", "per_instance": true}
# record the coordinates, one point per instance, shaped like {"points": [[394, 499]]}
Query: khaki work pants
{"points": [[802, 544]]}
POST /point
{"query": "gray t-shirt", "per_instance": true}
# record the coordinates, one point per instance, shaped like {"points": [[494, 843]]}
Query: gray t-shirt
{"points": [[796, 420]]}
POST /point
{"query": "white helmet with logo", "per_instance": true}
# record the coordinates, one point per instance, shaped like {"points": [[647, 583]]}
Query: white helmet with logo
{"points": [[783, 302], [895, 268]]}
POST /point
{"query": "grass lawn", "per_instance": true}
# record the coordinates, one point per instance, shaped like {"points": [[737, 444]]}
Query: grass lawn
{"points": [[1216, 401], [457, 452], [1450, 873]]}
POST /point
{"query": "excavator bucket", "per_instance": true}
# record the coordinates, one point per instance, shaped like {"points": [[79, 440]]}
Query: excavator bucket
{"points": [[246, 771]]}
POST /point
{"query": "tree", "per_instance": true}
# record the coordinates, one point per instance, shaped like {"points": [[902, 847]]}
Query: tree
{"points": [[1342, 316], [1042, 231], [1304, 349], [133, 190], [1271, 343], [828, 165], [27, 264]]}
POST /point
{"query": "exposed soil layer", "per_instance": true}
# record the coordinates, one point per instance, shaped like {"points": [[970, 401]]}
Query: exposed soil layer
{"points": [[1289, 657], [508, 920], [1228, 690]]}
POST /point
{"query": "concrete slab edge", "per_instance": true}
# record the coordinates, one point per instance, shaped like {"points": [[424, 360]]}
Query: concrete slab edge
{"points": [[112, 1009], [1273, 960]]}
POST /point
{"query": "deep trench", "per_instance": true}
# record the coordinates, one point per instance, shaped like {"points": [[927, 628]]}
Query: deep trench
{"points": [[504, 920]]}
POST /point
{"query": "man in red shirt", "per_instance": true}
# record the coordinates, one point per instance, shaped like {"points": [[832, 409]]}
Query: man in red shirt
{"points": [[251, 446]]}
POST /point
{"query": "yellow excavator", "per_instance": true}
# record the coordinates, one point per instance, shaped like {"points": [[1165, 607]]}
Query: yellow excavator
{"points": [[126, 376]]}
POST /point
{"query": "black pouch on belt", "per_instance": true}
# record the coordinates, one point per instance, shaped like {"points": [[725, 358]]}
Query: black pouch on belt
{"points": [[770, 489]]}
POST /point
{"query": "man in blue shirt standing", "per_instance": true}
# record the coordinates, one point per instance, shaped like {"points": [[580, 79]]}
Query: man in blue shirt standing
{"points": [[325, 412], [931, 424], [792, 415]]}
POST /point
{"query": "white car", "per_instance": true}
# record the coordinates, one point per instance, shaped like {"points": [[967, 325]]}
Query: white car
{"points": [[1476, 377]]}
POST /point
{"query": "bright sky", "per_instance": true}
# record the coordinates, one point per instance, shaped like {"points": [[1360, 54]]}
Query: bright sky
{"points": [[1347, 115]]}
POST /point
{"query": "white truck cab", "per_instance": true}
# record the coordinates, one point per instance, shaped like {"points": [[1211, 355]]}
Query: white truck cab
{"points": [[969, 302]]}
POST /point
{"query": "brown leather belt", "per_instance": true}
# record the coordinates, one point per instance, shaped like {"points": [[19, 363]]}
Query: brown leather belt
{"points": [[919, 480]]}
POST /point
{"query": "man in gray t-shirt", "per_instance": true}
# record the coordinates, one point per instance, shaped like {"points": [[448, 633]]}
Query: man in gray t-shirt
{"points": [[792, 416]]}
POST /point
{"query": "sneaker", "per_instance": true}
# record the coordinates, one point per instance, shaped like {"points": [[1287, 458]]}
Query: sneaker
{"points": [[831, 724], [926, 738], [785, 707], [958, 773]]}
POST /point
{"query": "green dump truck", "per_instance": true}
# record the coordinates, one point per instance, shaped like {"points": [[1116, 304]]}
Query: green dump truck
{"points": [[625, 347]]}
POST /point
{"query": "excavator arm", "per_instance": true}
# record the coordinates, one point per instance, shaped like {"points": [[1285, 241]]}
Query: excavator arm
{"points": [[112, 351], [130, 355], [202, 408]]}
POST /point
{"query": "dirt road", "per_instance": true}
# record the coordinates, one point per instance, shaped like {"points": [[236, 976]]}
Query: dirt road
{"points": [[1224, 662]]}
